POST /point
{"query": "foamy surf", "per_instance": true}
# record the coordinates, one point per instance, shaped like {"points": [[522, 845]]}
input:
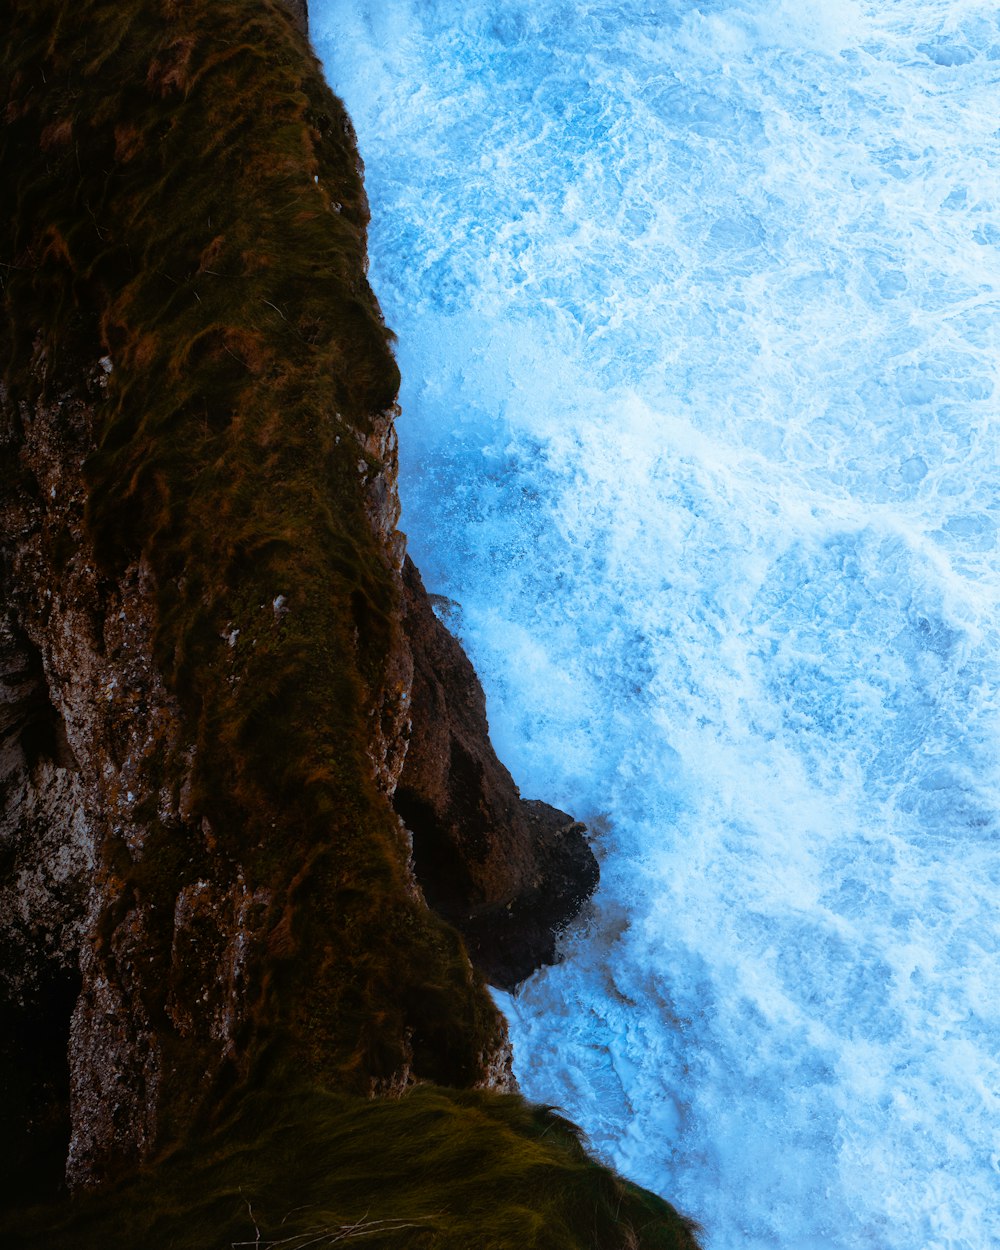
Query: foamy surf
{"points": [[697, 317]]}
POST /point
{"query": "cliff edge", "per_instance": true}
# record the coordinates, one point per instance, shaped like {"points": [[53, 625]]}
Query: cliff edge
{"points": [[238, 754]]}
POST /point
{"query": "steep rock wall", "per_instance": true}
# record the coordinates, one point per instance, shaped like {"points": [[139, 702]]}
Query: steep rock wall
{"points": [[205, 680]]}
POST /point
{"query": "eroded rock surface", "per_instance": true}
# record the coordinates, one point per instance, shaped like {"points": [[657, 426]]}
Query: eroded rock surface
{"points": [[300, 12], [94, 762], [214, 674]]}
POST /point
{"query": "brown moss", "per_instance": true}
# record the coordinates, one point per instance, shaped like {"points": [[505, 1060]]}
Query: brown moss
{"points": [[182, 233], [56, 134]]}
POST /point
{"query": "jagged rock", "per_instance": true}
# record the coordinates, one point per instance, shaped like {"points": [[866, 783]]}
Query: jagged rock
{"points": [[214, 930], [507, 872]]}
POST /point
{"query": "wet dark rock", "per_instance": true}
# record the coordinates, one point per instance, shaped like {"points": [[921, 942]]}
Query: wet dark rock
{"points": [[509, 873]]}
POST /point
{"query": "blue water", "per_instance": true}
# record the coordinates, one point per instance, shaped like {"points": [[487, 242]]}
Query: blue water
{"points": [[698, 324]]}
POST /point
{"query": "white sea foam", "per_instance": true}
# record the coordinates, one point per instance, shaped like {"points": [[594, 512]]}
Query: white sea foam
{"points": [[697, 309]]}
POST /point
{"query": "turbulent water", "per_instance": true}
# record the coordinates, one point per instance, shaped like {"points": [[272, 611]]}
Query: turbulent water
{"points": [[697, 313]]}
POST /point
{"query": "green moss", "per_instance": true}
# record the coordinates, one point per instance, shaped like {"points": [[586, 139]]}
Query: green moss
{"points": [[437, 1170]]}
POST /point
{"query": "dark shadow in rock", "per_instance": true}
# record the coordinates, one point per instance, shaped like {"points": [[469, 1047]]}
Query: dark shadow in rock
{"points": [[34, 1088]]}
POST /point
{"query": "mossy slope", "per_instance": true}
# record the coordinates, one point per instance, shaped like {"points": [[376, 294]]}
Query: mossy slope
{"points": [[436, 1170]]}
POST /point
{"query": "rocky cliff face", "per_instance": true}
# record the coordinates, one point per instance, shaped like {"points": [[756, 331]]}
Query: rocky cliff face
{"points": [[217, 670], [94, 757]]}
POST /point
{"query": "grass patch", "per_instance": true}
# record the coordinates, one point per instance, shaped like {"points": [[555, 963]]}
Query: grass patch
{"points": [[436, 1170]]}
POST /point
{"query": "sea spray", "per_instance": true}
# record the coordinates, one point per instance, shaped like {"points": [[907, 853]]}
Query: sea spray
{"points": [[697, 316]]}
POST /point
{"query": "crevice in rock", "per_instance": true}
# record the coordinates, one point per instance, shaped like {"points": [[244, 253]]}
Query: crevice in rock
{"points": [[437, 864], [34, 1089], [30, 725]]}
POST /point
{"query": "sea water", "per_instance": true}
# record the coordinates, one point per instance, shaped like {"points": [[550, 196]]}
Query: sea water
{"points": [[697, 309]]}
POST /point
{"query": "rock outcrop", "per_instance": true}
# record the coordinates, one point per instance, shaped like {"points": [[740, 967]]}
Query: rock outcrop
{"points": [[506, 872], [217, 673]]}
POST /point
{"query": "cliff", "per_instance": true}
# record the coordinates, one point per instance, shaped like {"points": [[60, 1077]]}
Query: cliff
{"points": [[222, 686]]}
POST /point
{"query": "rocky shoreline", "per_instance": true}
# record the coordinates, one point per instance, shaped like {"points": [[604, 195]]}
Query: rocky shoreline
{"points": [[248, 800]]}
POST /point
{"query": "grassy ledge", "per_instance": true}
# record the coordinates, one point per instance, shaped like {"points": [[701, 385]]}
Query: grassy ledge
{"points": [[435, 1170]]}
